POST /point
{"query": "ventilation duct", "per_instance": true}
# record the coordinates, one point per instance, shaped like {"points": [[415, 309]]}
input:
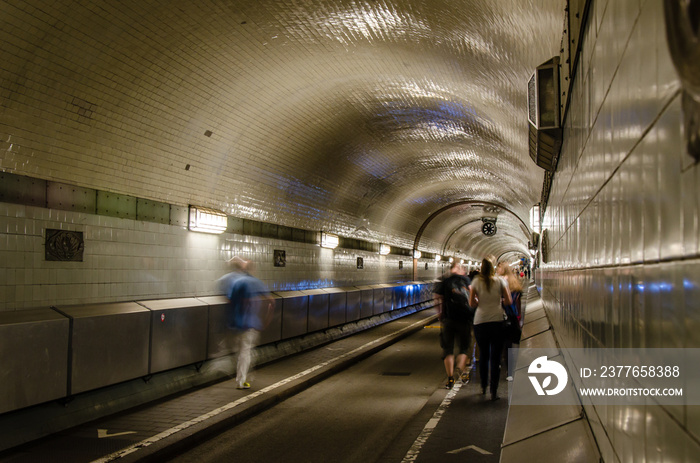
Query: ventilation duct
{"points": [[543, 100]]}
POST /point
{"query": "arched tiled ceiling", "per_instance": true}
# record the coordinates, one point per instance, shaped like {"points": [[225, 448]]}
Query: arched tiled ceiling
{"points": [[361, 117], [460, 228]]}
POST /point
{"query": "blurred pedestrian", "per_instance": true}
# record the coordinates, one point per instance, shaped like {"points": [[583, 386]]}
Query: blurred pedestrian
{"points": [[515, 288], [455, 315], [487, 294], [249, 311]]}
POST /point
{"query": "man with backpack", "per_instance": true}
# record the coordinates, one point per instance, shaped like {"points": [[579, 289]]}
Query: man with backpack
{"points": [[456, 317]]}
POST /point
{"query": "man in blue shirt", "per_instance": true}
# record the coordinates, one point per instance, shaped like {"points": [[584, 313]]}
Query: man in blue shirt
{"points": [[248, 313]]}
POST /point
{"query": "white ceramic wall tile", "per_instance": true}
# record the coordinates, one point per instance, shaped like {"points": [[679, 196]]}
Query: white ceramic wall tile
{"points": [[131, 260], [625, 267]]}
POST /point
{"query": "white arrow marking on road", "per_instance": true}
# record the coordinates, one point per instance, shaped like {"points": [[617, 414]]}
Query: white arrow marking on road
{"points": [[472, 447], [102, 433]]}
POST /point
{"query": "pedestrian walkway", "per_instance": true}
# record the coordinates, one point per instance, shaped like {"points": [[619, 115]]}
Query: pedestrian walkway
{"points": [[467, 425], [544, 432]]}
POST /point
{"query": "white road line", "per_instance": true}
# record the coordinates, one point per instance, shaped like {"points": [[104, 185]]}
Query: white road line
{"points": [[169, 432], [414, 451]]}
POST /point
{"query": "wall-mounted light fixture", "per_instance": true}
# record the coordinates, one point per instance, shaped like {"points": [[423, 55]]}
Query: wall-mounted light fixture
{"points": [[451, 259], [438, 257], [384, 249], [329, 240], [416, 254], [535, 218], [206, 220]]}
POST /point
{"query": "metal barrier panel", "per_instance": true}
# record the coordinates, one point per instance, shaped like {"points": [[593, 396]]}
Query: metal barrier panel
{"points": [[429, 287], [34, 352], [273, 331], [178, 332], [219, 335], [389, 301], [295, 313], [401, 296], [353, 304], [424, 291], [378, 295], [366, 301], [318, 309], [110, 344], [337, 306]]}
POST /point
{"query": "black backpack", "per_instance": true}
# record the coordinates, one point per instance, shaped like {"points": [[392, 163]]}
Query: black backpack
{"points": [[456, 295]]}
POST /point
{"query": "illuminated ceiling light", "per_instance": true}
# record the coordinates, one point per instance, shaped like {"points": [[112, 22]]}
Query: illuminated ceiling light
{"points": [[461, 261], [384, 249], [329, 240], [535, 218], [416, 254], [438, 257], [205, 220], [451, 259]]}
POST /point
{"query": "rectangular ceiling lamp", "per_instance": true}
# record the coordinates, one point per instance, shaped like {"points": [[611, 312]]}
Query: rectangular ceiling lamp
{"points": [[384, 249], [535, 218], [205, 220], [329, 240]]}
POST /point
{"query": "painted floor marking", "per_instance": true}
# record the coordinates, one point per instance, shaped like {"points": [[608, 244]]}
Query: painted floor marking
{"points": [[104, 433], [471, 447], [414, 451], [169, 432]]}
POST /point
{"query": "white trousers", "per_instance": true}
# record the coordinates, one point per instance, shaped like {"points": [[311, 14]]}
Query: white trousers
{"points": [[247, 340]]}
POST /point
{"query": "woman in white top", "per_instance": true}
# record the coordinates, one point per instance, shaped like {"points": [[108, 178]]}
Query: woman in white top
{"points": [[486, 293]]}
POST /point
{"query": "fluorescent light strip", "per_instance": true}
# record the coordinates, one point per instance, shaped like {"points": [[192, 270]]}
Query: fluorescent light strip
{"points": [[206, 220], [329, 240]]}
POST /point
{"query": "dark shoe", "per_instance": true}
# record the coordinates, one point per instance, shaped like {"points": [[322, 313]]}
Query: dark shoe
{"points": [[450, 383], [494, 396], [483, 391]]}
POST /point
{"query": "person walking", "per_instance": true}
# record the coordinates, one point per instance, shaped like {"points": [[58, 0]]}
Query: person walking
{"points": [[455, 315], [515, 288], [486, 295], [249, 312]]}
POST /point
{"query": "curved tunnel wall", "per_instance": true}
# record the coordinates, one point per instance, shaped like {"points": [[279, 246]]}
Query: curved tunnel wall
{"points": [[128, 259], [622, 220]]}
